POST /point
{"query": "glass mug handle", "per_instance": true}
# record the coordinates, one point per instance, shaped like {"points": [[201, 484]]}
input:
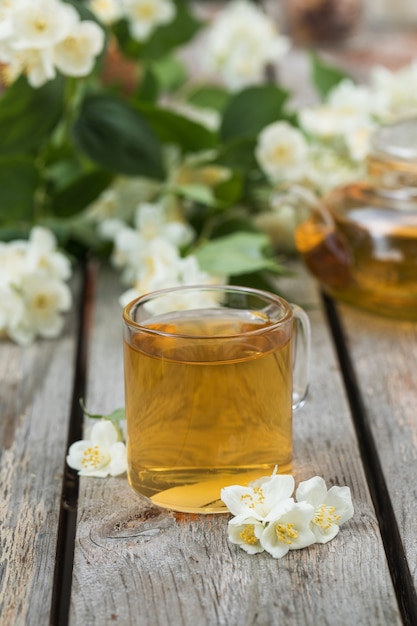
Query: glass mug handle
{"points": [[301, 357]]}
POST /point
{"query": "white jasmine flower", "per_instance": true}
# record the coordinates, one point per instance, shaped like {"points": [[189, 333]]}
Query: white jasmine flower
{"points": [[347, 108], [128, 253], [109, 228], [75, 54], [398, 87], [101, 454], [41, 24], [331, 508], [150, 249], [31, 282], [36, 64], [42, 254], [358, 101], [11, 310], [241, 41], [44, 298], [288, 528], [358, 141], [120, 200], [155, 270], [282, 152], [146, 15], [6, 27], [107, 11], [165, 268], [246, 533], [12, 261], [327, 168], [151, 221], [259, 498]]}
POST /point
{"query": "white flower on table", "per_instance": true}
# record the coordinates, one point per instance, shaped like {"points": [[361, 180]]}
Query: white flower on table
{"points": [[144, 16], [101, 454], [246, 533], [33, 292], [282, 152], [288, 528], [44, 299], [332, 507], [42, 254], [259, 498], [241, 41], [268, 519]]}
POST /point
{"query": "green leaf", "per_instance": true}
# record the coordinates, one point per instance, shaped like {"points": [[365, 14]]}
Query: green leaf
{"points": [[238, 154], [178, 32], [19, 179], [210, 97], [117, 137], [164, 39], [170, 73], [251, 110], [238, 253], [173, 128], [80, 193], [77, 234], [195, 192], [149, 88], [229, 191], [325, 76], [28, 115], [115, 417]]}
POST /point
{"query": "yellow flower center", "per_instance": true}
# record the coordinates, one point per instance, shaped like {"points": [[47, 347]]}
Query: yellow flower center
{"points": [[281, 154], [41, 302], [252, 501], [285, 533], [145, 11], [94, 458], [325, 516], [40, 25], [248, 535]]}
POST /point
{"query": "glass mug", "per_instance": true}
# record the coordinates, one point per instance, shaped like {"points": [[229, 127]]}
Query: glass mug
{"points": [[210, 386]]}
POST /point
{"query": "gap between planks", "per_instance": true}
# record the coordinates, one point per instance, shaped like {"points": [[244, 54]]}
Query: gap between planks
{"points": [[394, 549], [61, 594]]}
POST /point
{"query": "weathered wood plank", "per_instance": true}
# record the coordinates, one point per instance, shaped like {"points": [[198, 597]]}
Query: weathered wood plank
{"points": [[137, 564], [385, 359], [35, 397]]}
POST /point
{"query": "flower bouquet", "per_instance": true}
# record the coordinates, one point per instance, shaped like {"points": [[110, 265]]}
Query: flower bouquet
{"points": [[142, 131]]}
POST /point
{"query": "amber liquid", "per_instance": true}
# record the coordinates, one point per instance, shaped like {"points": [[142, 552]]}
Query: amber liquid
{"points": [[368, 259], [206, 413]]}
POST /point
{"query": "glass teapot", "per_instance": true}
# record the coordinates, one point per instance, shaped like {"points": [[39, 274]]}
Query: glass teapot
{"points": [[360, 240]]}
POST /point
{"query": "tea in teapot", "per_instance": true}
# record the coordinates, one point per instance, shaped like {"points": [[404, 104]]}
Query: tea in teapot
{"points": [[360, 240]]}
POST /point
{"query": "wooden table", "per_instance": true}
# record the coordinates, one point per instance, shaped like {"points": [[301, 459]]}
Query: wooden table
{"points": [[92, 552]]}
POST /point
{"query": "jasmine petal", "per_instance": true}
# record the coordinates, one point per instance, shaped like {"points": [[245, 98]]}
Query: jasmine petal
{"points": [[331, 508]]}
